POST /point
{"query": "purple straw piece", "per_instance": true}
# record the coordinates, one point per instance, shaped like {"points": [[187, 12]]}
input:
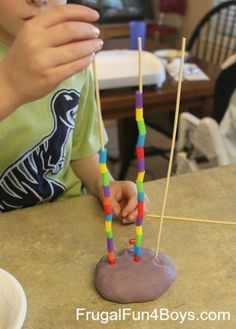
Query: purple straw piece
{"points": [[138, 100], [141, 165], [110, 244], [106, 191], [139, 221]]}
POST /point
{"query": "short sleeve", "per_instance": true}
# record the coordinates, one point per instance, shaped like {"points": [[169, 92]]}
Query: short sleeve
{"points": [[86, 133]]}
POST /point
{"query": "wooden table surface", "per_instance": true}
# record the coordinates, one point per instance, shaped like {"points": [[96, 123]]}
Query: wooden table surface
{"points": [[53, 250]]}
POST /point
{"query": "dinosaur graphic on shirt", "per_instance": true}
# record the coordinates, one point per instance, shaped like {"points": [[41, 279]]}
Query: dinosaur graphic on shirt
{"points": [[29, 181]]}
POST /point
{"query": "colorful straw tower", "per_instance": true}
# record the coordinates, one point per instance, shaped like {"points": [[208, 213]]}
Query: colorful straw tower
{"points": [[141, 162], [105, 175], [140, 177], [141, 169], [106, 204]]}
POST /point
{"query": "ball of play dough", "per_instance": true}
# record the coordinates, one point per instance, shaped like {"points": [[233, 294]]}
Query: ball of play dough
{"points": [[128, 281]]}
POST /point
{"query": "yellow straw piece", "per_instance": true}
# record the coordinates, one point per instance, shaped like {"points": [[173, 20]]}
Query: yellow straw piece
{"points": [[140, 177], [139, 230], [103, 168], [139, 114], [107, 226]]}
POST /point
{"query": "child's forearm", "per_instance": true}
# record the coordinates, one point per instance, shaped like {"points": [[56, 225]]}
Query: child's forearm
{"points": [[88, 170]]}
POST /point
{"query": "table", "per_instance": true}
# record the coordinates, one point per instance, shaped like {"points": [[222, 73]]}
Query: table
{"points": [[53, 250], [119, 104]]}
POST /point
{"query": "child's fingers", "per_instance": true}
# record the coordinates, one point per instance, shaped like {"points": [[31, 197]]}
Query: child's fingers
{"points": [[65, 13], [130, 207], [128, 221], [69, 32], [116, 208], [75, 51], [65, 71], [131, 218], [133, 215]]}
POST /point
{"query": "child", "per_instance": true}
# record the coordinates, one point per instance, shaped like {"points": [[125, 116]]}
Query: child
{"points": [[49, 144]]}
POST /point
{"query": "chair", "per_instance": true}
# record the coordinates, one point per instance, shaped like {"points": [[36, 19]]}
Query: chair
{"points": [[200, 144], [210, 142], [169, 20], [214, 38]]}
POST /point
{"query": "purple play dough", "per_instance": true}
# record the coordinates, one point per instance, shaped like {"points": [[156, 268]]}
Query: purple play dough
{"points": [[128, 281]]}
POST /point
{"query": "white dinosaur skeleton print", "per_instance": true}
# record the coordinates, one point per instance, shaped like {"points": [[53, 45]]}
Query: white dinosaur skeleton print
{"points": [[29, 180]]}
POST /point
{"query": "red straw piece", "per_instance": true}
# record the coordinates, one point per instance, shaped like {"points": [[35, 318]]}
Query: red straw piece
{"points": [[107, 209], [132, 241], [141, 209], [111, 257], [112, 261], [140, 152], [137, 258], [111, 254]]}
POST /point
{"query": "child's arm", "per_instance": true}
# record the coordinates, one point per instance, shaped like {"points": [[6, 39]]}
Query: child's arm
{"points": [[48, 49], [123, 193]]}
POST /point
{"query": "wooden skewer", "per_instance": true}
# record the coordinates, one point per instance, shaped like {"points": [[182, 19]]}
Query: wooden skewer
{"points": [[173, 141], [140, 65], [196, 220], [99, 111]]}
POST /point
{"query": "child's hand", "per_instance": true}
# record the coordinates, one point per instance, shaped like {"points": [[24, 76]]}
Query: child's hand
{"points": [[123, 193], [124, 200], [49, 48]]}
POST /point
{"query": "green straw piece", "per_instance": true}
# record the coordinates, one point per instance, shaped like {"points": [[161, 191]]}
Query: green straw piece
{"points": [[138, 240], [141, 127], [105, 179], [140, 187], [109, 235]]}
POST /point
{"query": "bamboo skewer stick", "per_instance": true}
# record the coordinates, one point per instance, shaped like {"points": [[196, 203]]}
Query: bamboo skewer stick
{"points": [[140, 65], [173, 142], [99, 111], [196, 220]]}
